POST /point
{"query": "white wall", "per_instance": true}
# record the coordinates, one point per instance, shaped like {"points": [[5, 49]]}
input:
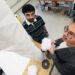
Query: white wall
{"points": [[12, 35], [16, 4]]}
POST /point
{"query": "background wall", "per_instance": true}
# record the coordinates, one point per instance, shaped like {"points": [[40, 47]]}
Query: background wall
{"points": [[12, 35], [16, 4]]}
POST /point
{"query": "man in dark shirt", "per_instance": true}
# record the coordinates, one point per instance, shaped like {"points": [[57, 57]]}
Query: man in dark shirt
{"points": [[34, 24], [64, 55]]}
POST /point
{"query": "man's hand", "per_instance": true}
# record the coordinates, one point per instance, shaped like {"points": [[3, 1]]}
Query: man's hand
{"points": [[51, 50]]}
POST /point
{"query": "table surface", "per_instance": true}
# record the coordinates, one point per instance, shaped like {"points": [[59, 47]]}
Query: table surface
{"points": [[38, 64]]}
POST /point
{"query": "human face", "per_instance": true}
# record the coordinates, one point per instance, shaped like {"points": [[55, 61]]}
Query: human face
{"points": [[69, 35], [30, 16]]}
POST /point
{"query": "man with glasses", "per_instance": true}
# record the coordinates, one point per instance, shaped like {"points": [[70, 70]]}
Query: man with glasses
{"points": [[68, 36], [64, 53]]}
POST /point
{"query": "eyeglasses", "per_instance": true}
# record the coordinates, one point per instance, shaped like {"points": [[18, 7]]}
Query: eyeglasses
{"points": [[69, 33]]}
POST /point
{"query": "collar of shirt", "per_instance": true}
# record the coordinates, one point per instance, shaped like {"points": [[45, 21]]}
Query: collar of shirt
{"points": [[29, 22], [62, 45]]}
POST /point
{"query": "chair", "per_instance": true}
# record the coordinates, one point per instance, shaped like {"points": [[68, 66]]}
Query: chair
{"points": [[45, 3], [73, 13]]}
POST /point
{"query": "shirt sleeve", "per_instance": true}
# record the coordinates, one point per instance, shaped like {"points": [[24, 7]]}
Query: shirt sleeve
{"points": [[39, 18], [58, 41], [62, 63]]}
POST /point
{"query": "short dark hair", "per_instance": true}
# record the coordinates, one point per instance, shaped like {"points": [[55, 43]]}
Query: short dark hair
{"points": [[28, 8]]}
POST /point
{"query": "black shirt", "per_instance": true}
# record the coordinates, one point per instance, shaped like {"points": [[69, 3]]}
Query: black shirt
{"points": [[36, 31], [64, 60]]}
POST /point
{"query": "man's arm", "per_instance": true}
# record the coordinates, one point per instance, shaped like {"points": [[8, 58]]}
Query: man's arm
{"points": [[43, 25], [64, 60], [64, 69], [58, 41], [45, 30]]}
